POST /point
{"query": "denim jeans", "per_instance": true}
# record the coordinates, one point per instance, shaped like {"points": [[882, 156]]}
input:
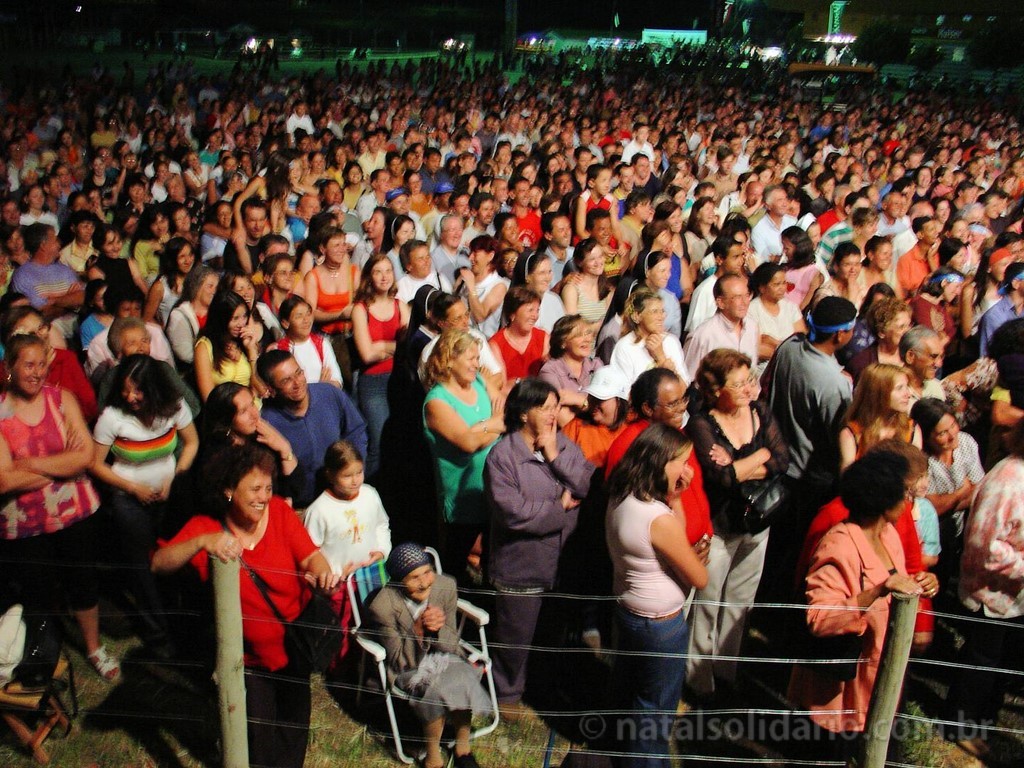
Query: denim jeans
{"points": [[649, 685], [372, 399]]}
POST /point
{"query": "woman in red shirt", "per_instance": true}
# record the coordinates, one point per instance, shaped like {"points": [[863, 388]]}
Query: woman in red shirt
{"points": [[378, 317], [521, 345], [266, 535]]}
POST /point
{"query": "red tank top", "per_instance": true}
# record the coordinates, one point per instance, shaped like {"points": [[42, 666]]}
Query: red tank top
{"points": [[383, 330], [335, 302], [519, 365]]}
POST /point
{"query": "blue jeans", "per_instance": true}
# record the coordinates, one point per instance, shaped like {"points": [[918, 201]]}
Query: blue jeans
{"points": [[647, 685], [372, 399]]}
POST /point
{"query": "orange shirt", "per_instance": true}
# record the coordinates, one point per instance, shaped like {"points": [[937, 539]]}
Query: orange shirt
{"points": [[912, 269]]}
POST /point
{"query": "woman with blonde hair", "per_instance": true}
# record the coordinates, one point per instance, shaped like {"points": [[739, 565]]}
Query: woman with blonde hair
{"points": [[645, 343], [461, 428], [879, 410]]}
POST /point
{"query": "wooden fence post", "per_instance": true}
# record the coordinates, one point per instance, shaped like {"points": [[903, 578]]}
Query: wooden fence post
{"points": [[230, 671], [889, 684]]}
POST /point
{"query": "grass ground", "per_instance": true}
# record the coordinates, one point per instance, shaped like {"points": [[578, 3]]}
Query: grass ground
{"points": [[160, 716]]}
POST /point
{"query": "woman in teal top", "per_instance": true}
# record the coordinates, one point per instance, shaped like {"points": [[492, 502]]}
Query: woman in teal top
{"points": [[461, 427]]}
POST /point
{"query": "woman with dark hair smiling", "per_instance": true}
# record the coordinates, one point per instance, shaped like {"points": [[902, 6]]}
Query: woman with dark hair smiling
{"points": [[247, 522], [535, 479], [141, 426], [655, 569], [227, 349], [777, 317]]}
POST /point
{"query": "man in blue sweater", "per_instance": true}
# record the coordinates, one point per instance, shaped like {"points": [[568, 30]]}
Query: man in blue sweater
{"points": [[310, 416]]}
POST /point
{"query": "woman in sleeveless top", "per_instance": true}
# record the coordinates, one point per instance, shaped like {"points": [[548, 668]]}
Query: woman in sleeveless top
{"points": [[521, 345], [461, 428], [589, 294], [48, 502], [879, 410], [329, 288], [226, 349], [377, 320], [176, 261], [654, 569]]}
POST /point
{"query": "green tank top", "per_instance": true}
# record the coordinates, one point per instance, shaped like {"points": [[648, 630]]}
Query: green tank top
{"points": [[459, 475]]}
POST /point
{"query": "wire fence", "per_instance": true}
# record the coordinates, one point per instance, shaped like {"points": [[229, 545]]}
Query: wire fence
{"points": [[564, 714]]}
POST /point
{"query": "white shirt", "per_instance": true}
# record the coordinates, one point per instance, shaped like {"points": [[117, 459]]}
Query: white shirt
{"points": [[348, 530], [305, 123], [633, 148], [114, 425], [702, 303], [766, 238], [778, 326], [632, 358], [551, 311], [306, 355], [408, 285]]}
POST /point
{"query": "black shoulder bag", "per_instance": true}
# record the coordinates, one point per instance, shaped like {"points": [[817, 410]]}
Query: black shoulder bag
{"points": [[313, 640]]}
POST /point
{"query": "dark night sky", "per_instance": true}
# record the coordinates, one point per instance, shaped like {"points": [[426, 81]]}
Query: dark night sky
{"points": [[633, 14]]}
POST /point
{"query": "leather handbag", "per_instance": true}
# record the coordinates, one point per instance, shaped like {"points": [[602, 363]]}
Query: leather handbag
{"points": [[765, 500], [313, 640]]}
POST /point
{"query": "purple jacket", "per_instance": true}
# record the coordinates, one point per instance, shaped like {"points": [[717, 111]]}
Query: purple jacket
{"points": [[528, 525]]}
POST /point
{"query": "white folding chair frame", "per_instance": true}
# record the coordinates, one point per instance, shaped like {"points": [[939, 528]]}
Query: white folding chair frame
{"points": [[476, 653]]}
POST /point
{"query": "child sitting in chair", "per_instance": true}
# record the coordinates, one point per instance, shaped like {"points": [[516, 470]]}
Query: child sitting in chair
{"points": [[413, 617]]}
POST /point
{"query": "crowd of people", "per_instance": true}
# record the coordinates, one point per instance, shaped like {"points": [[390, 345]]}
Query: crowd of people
{"points": [[633, 335]]}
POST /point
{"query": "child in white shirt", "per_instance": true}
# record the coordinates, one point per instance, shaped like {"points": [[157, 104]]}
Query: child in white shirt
{"points": [[348, 523]]}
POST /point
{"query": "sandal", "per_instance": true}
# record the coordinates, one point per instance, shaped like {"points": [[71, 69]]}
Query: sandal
{"points": [[106, 665]]}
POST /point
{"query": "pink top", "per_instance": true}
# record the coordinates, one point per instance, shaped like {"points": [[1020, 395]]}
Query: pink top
{"points": [[798, 282], [844, 565], [642, 585], [53, 507]]}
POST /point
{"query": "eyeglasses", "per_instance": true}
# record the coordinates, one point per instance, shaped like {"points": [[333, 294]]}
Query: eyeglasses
{"points": [[748, 382], [676, 405]]}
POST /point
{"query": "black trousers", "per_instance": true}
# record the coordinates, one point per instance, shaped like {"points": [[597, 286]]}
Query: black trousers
{"points": [[277, 710]]}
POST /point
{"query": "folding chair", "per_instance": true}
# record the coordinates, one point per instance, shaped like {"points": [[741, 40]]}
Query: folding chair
{"points": [[18, 705], [362, 586]]}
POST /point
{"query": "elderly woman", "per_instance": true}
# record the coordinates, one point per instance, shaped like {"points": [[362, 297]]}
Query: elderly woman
{"points": [[461, 428], [954, 470], [738, 443], [655, 569], [991, 583], [571, 365], [535, 479], [645, 344], [260, 529], [857, 564], [413, 617], [48, 502]]}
